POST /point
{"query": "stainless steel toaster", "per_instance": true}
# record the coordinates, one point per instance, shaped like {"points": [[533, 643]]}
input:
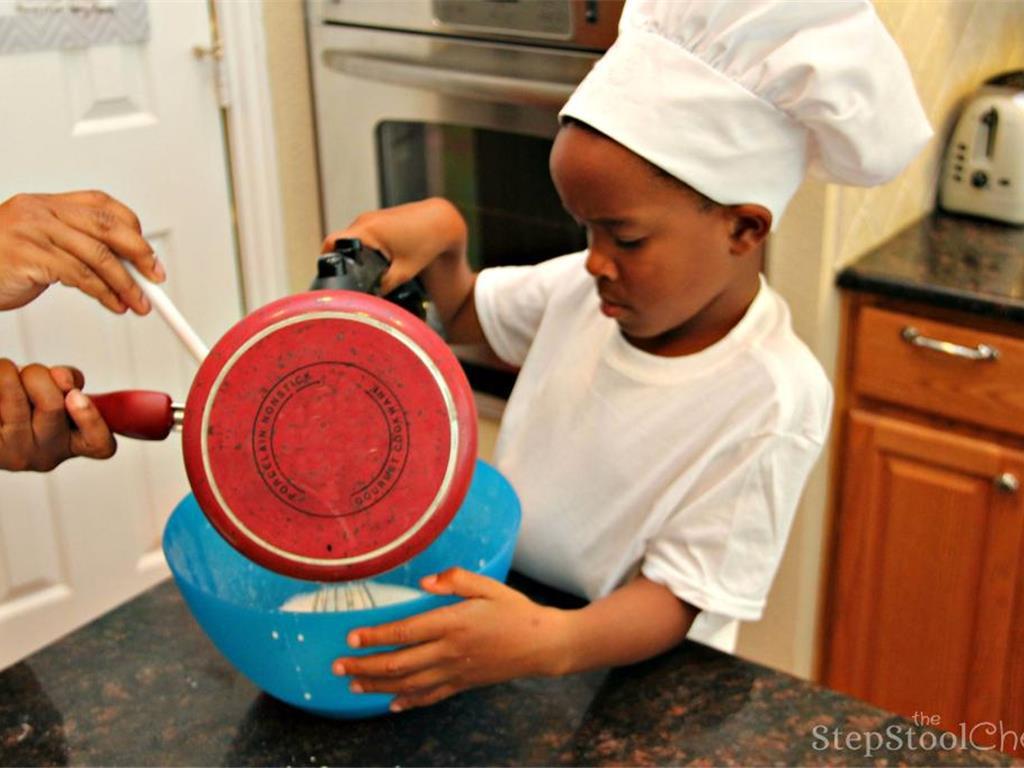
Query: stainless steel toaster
{"points": [[983, 170]]}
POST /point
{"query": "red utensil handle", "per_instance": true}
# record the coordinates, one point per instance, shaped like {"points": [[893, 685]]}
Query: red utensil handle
{"points": [[137, 413]]}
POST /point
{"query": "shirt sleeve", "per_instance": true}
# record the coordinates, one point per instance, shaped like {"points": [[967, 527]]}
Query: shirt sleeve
{"points": [[720, 549], [511, 302]]}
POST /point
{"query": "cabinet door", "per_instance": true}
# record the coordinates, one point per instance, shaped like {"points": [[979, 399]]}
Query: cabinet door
{"points": [[927, 569]]}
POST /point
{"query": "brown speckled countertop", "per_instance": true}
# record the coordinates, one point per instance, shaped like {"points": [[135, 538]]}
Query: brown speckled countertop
{"points": [[143, 686], [959, 262]]}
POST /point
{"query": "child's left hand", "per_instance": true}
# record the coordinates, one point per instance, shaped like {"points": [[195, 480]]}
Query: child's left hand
{"points": [[494, 634]]}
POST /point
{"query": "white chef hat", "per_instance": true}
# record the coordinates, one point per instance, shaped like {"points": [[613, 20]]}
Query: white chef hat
{"points": [[737, 98]]}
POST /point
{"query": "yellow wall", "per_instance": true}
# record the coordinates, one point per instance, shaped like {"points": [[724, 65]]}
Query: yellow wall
{"points": [[292, 98], [952, 46]]}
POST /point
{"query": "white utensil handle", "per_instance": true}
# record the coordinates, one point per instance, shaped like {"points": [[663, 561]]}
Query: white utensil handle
{"points": [[174, 319]]}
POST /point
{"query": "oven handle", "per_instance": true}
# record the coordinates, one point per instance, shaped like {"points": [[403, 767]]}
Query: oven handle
{"points": [[471, 85]]}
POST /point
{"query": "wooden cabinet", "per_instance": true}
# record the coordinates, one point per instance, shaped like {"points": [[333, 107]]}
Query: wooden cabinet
{"points": [[926, 603]]}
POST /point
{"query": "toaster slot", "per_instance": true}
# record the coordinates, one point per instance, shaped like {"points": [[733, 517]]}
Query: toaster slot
{"points": [[989, 126]]}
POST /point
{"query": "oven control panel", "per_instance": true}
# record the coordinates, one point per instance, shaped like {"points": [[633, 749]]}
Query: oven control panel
{"points": [[549, 19], [579, 24]]}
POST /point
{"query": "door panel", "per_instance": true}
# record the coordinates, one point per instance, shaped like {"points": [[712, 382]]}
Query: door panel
{"points": [[931, 541]]}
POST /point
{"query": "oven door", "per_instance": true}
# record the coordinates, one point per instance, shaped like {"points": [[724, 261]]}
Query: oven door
{"points": [[402, 116], [403, 113]]}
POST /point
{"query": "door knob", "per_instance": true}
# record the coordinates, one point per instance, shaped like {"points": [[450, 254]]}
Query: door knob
{"points": [[1007, 482]]}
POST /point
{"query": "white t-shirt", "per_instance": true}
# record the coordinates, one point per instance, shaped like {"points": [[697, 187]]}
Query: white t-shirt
{"points": [[686, 469]]}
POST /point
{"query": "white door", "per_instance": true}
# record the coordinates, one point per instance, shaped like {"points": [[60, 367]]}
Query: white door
{"points": [[139, 121]]}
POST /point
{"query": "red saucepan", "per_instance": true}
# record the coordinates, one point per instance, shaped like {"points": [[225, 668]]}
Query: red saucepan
{"points": [[328, 436]]}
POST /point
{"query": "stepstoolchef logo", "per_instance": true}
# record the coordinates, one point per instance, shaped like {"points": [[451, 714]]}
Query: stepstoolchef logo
{"points": [[898, 737]]}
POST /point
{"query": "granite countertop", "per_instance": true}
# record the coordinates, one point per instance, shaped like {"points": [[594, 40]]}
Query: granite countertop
{"points": [[143, 686], [952, 261]]}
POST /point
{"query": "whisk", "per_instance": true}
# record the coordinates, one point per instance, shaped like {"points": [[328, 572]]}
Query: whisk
{"points": [[345, 596]]}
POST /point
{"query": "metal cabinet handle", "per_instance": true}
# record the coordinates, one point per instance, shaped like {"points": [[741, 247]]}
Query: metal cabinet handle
{"points": [[911, 335], [1007, 482]]}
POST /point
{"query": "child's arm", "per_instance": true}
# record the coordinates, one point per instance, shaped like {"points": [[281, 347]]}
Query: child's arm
{"points": [[497, 634], [639, 620], [426, 238]]}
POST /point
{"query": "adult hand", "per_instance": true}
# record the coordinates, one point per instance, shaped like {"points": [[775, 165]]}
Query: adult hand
{"points": [[35, 404], [494, 634], [78, 239]]}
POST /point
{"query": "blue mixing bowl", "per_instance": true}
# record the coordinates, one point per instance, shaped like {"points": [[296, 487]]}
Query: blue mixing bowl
{"points": [[289, 655]]}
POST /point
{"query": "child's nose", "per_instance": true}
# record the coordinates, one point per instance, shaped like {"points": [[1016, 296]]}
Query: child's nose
{"points": [[599, 265]]}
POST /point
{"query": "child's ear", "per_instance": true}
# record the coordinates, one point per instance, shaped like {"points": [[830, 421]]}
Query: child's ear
{"points": [[749, 226]]}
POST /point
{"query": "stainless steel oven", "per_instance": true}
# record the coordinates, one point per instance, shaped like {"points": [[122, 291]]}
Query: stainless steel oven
{"points": [[457, 98]]}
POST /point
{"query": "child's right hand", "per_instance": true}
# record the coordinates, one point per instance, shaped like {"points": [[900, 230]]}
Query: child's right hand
{"points": [[494, 634], [411, 237], [35, 433]]}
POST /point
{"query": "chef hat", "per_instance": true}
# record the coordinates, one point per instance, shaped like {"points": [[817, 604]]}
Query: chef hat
{"points": [[738, 99]]}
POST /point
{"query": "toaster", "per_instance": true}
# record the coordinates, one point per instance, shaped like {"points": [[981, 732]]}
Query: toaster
{"points": [[983, 169]]}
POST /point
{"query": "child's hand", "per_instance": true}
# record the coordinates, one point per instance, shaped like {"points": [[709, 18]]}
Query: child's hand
{"points": [[35, 433], [410, 236], [495, 634]]}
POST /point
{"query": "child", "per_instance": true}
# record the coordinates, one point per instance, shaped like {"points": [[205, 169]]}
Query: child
{"points": [[666, 416]]}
